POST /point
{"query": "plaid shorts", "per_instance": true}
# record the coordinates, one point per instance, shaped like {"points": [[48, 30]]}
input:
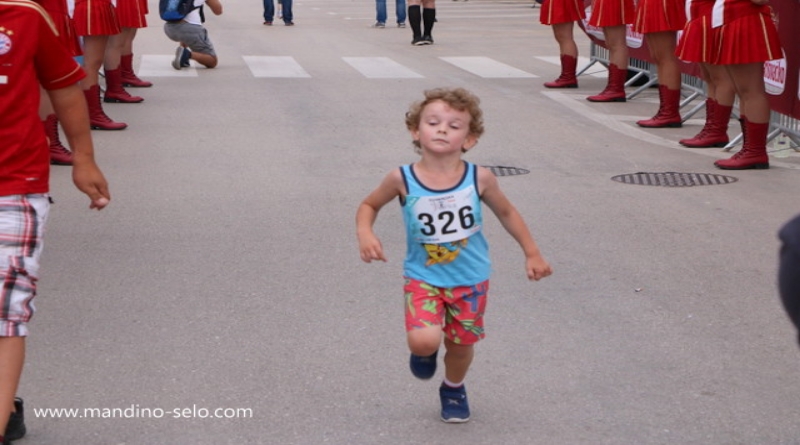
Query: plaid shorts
{"points": [[22, 221], [459, 310]]}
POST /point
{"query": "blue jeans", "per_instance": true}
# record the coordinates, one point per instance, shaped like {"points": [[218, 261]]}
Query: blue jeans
{"points": [[269, 10], [400, 10]]}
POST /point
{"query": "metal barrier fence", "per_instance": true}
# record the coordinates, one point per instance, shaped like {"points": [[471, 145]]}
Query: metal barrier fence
{"points": [[785, 128]]}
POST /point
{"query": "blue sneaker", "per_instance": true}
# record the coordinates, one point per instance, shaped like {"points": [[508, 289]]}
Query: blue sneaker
{"points": [[423, 367], [455, 408]]}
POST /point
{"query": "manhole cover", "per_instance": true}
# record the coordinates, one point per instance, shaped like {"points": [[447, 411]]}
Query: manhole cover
{"points": [[674, 179], [506, 171]]}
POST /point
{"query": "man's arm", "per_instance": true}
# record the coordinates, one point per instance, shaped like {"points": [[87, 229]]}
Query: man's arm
{"points": [[69, 104]]}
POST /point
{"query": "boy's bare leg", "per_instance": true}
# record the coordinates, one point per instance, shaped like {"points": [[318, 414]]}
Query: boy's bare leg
{"points": [[424, 342], [206, 60], [12, 357], [457, 360]]}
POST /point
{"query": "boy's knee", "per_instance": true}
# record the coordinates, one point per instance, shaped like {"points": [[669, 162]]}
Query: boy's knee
{"points": [[424, 342], [208, 61]]}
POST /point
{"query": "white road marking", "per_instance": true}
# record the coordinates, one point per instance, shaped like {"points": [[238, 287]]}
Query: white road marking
{"points": [[487, 68], [156, 65], [275, 66], [381, 68]]}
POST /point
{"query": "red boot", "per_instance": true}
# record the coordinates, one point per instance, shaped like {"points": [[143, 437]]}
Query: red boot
{"points": [[615, 89], [97, 117], [59, 154], [567, 79], [715, 130], [129, 78], [114, 90], [754, 150], [668, 115]]}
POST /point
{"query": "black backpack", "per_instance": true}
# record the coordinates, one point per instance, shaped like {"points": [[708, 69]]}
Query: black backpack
{"points": [[175, 10]]}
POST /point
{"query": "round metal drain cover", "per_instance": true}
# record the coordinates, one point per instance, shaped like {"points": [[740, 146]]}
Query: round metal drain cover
{"points": [[506, 171], [674, 179]]}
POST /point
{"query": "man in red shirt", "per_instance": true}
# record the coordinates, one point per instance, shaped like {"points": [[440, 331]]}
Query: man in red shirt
{"points": [[31, 56]]}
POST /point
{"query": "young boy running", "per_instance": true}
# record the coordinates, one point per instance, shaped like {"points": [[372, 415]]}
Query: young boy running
{"points": [[447, 264]]}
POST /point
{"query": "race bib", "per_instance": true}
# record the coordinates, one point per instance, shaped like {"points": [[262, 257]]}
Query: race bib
{"points": [[444, 218]]}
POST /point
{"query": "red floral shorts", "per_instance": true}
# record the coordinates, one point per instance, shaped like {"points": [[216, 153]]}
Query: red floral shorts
{"points": [[459, 310]]}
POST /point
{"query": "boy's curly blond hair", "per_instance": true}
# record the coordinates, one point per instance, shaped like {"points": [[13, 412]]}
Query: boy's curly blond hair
{"points": [[458, 99]]}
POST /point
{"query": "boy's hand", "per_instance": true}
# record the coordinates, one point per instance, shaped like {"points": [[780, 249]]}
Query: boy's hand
{"points": [[537, 268], [370, 248]]}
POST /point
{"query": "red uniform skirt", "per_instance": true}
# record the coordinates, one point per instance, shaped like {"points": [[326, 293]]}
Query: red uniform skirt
{"points": [[561, 11], [698, 40], [95, 18], [659, 16], [57, 9], [612, 13], [131, 14], [749, 38]]}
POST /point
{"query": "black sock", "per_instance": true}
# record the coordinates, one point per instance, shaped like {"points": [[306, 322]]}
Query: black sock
{"points": [[428, 17], [414, 19]]}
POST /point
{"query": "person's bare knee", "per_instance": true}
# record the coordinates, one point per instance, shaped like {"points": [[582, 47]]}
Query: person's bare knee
{"points": [[424, 342], [206, 60]]}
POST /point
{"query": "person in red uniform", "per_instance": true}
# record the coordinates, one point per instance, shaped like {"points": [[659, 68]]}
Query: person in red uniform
{"points": [[660, 21], [746, 38], [562, 15], [31, 58], [95, 21], [130, 17], [613, 16], [59, 154], [696, 45]]}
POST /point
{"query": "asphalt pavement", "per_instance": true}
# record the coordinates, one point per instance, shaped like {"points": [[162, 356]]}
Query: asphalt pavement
{"points": [[220, 298]]}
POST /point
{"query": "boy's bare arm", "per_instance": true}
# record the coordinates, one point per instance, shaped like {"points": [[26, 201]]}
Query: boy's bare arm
{"points": [[70, 106], [368, 243], [535, 265], [215, 6]]}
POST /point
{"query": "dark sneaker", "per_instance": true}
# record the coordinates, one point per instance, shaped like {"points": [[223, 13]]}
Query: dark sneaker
{"points": [[455, 408], [418, 41], [15, 429], [289, 23], [427, 40], [401, 25], [268, 23], [423, 367], [379, 25], [185, 58]]}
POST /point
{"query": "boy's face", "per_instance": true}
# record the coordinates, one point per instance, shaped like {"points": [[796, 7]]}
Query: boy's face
{"points": [[443, 129]]}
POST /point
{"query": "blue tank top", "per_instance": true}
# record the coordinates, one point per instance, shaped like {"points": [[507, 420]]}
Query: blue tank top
{"points": [[445, 246]]}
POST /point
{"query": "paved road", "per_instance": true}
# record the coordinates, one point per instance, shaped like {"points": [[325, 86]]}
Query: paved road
{"points": [[225, 272]]}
